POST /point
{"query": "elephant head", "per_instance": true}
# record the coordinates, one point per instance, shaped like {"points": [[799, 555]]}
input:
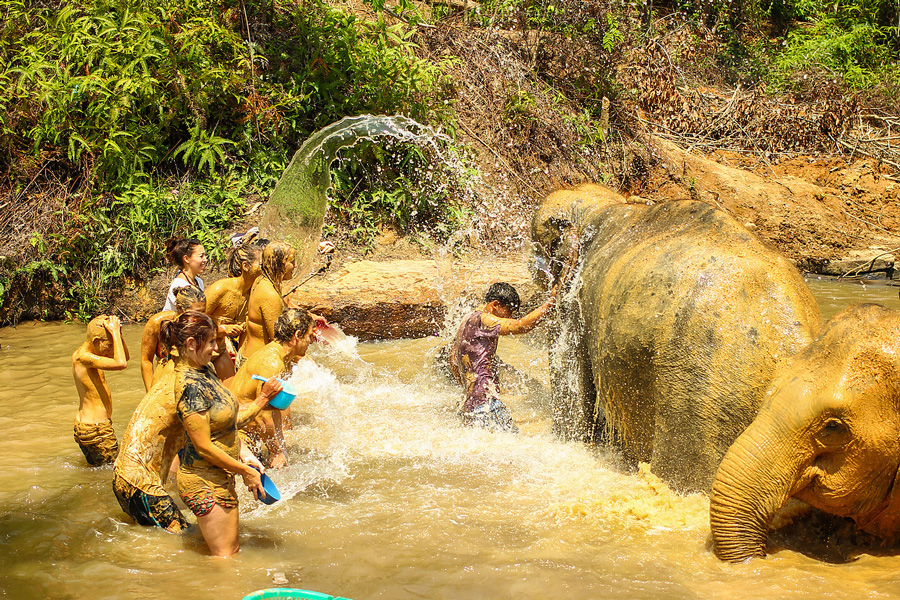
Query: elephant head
{"points": [[559, 222], [828, 434]]}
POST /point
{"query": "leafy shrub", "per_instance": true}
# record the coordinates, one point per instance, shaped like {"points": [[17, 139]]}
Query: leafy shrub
{"points": [[124, 101], [854, 49], [404, 186]]}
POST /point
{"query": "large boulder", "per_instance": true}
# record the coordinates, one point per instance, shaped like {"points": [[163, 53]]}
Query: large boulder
{"points": [[402, 298]]}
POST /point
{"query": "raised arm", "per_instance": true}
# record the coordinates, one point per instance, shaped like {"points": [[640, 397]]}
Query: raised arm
{"points": [[248, 412], [119, 359], [526, 323], [120, 351], [531, 320]]}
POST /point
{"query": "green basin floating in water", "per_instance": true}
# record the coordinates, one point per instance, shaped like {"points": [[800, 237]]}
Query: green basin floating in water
{"points": [[290, 594]]}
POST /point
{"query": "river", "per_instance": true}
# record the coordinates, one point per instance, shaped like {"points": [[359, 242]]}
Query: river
{"points": [[387, 497]]}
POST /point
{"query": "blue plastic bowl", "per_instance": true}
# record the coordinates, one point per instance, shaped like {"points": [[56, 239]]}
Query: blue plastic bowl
{"points": [[272, 495], [284, 397]]}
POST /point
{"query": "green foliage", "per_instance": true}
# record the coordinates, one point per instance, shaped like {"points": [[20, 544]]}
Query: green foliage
{"points": [[571, 18], [848, 43], [204, 150], [122, 236], [587, 126], [133, 86], [519, 104], [856, 42], [405, 187], [127, 101], [612, 37]]}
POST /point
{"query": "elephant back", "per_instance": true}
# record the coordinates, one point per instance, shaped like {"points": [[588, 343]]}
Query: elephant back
{"points": [[684, 315]]}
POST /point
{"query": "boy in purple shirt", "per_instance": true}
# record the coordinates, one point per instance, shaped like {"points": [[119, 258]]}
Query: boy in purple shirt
{"points": [[475, 347]]}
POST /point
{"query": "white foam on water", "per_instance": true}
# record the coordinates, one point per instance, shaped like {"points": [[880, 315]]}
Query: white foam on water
{"points": [[373, 417]]}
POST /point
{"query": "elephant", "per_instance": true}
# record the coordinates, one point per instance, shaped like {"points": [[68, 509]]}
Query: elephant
{"points": [[670, 330], [827, 434]]}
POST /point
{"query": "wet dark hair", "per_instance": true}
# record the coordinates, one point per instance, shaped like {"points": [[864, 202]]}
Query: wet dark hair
{"points": [[187, 295], [274, 259], [505, 294], [177, 248], [290, 322], [189, 324], [248, 252]]}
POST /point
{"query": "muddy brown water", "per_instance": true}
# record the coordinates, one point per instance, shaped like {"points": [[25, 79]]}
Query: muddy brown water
{"points": [[386, 497]]}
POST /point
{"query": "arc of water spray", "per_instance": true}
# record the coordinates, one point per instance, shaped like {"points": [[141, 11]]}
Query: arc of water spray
{"points": [[296, 208]]}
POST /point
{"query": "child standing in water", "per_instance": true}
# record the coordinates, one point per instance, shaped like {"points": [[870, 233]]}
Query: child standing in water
{"points": [[104, 349], [474, 350]]}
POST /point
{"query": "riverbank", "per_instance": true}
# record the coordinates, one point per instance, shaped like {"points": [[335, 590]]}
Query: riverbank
{"points": [[804, 153], [831, 216]]}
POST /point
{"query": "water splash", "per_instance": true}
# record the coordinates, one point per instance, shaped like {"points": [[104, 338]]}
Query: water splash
{"points": [[296, 208], [566, 382], [334, 341], [319, 420]]}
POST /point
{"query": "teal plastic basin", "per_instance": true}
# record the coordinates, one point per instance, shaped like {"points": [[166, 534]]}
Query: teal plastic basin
{"points": [[290, 594]]}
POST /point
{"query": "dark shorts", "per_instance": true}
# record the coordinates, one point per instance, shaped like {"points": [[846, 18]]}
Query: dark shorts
{"points": [[97, 442], [491, 414], [159, 511]]}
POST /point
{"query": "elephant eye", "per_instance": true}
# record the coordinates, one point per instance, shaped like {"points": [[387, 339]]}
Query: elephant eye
{"points": [[835, 432]]}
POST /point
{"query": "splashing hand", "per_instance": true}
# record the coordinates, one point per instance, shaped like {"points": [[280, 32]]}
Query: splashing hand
{"points": [[270, 388]]}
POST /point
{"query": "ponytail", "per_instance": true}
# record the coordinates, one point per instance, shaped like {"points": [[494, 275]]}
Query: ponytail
{"points": [[177, 248], [189, 324]]}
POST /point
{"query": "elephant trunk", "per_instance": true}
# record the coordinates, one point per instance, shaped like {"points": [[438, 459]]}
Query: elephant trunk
{"points": [[752, 483]]}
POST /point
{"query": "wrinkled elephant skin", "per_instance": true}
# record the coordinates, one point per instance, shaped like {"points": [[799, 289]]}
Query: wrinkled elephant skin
{"points": [[672, 329], [828, 434]]}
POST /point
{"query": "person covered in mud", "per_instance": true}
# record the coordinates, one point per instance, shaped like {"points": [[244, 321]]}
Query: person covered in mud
{"points": [[186, 298], [266, 302], [228, 298], [103, 349], [294, 332], [211, 417], [189, 256], [153, 437], [473, 352], [151, 441]]}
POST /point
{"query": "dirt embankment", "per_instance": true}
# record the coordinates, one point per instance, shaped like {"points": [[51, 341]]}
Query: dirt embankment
{"points": [[813, 175], [828, 215]]}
